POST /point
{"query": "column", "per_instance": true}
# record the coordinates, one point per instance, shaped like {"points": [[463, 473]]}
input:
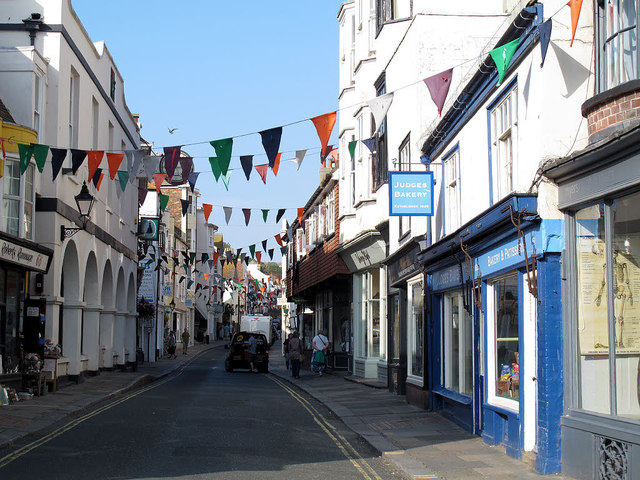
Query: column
{"points": [[119, 338], [107, 320], [71, 335], [91, 336], [130, 336]]}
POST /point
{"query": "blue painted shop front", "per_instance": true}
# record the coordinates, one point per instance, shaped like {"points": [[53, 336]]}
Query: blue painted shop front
{"points": [[495, 329]]}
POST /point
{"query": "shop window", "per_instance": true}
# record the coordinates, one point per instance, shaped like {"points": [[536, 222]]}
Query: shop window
{"points": [[504, 350], [370, 319], [607, 246], [458, 345], [618, 42], [18, 200], [415, 342], [503, 121]]}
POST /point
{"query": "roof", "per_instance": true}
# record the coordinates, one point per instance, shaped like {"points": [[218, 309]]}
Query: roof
{"points": [[5, 115]]}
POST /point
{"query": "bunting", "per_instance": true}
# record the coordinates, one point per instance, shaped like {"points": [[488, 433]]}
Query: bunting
{"points": [[370, 143], [185, 206], [278, 239], [158, 178], [262, 171], [247, 164], [352, 148], [77, 157], [438, 86], [223, 150], [227, 214], [215, 167], [186, 164], [114, 160], [206, 208], [276, 164], [225, 179], [271, 143], [576, 6], [271, 253], [545, 38], [142, 195], [95, 159], [247, 215], [379, 107], [259, 257], [265, 214], [264, 245], [57, 159], [123, 178], [40, 154], [25, 152], [502, 57], [280, 214], [193, 177], [324, 125], [151, 164], [171, 157], [300, 214], [164, 200]]}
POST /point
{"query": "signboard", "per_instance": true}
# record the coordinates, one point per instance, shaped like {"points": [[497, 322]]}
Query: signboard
{"points": [[410, 194], [148, 228], [167, 291], [23, 256], [148, 285]]}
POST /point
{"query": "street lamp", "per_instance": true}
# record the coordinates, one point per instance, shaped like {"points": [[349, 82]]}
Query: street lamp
{"points": [[172, 305], [84, 202]]}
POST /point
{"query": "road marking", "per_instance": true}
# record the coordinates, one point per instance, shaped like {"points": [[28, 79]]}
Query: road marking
{"points": [[426, 476], [342, 443], [397, 452]]}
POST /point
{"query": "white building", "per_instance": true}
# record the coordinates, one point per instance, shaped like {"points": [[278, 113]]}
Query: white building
{"points": [[54, 79]]}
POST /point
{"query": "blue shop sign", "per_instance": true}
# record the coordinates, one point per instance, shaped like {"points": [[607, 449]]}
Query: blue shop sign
{"points": [[410, 194]]}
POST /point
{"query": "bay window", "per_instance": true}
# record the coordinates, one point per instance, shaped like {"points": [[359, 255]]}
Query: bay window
{"points": [[618, 42]]}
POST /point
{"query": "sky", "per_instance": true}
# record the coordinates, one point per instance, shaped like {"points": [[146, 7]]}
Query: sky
{"points": [[213, 70]]}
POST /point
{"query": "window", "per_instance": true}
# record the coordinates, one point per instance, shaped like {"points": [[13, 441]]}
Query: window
{"points": [[618, 39], [18, 200], [458, 345], [330, 212], [503, 132], [352, 51], [415, 302], [607, 245], [312, 228], [38, 102], [74, 108], [404, 164], [352, 178], [299, 243], [504, 349], [380, 162], [451, 190], [372, 25], [385, 12], [372, 312], [112, 85]]}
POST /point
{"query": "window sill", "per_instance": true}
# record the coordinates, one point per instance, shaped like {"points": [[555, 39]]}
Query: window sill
{"points": [[452, 395], [364, 202], [417, 381], [503, 409]]}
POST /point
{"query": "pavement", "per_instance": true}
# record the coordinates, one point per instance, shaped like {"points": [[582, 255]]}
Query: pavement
{"points": [[421, 444]]}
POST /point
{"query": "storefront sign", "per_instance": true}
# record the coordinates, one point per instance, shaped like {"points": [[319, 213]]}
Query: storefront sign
{"points": [[365, 254], [148, 286], [23, 256], [148, 228], [410, 193], [404, 266], [447, 278]]}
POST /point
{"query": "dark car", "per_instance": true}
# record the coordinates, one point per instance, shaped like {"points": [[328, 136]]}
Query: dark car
{"points": [[238, 355]]}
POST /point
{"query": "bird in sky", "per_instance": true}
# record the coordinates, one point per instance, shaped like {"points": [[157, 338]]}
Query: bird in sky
{"points": [[171, 130]]}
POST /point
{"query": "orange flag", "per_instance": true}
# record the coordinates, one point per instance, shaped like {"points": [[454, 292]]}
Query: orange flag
{"points": [[576, 6], [206, 207], [158, 178], [278, 239], [324, 124], [276, 163], [95, 158], [206, 276], [215, 257], [300, 213], [99, 181], [114, 160]]}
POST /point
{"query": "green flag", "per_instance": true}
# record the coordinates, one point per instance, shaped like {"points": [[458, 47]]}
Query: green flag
{"points": [[352, 148], [225, 179], [164, 199], [502, 57], [265, 213], [215, 167], [223, 151], [252, 250], [40, 154], [123, 178], [26, 152]]}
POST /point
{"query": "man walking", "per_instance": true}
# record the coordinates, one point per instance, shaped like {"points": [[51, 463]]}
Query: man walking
{"points": [[185, 340]]}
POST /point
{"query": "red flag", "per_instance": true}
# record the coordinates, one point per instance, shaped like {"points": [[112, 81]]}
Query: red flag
{"points": [[324, 124], [576, 6], [276, 163], [206, 207], [215, 257], [262, 171], [259, 256], [95, 158], [300, 213], [438, 86], [247, 215], [158, 178], [114, 160], [278, 239]]}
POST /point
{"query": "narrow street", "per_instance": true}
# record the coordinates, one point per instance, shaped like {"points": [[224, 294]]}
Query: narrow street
{"points": [[202, 422]]}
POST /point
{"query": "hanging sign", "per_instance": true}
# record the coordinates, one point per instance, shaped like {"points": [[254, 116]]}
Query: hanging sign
{"points": [[410, 194]]}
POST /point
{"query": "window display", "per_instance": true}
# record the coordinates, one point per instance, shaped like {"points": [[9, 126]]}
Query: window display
{"points": [[416, 329], [458, 345], [506, 325]]}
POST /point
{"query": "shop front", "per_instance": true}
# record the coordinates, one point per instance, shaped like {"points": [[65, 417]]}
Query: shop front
{"points": [[599, 192]]}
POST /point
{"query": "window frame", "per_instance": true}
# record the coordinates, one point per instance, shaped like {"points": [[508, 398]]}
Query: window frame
{"points": [[451, 190], [507, 137], [464, 365], [380, 160], [404, 165], [19, 199], [413, 334]]}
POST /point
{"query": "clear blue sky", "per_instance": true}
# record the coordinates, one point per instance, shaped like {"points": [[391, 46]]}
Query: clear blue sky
{"points": [[214, 70]]}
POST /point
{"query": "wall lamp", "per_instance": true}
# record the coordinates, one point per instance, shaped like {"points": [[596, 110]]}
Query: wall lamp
{"points": [[84, 202], [172, 305]]}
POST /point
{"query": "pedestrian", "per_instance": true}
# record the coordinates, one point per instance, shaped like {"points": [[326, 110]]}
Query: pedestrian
{"points": [[171, 344], [185, 340], [286, 349], [295, 354], [252, 351], [226, 331], [320, 343]]}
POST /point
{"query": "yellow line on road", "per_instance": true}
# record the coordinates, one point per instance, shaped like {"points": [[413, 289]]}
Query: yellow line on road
{"points": [[342, 443]]}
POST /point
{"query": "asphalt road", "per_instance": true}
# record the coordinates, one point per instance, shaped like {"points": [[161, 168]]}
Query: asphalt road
{"points": [[199, 423]]}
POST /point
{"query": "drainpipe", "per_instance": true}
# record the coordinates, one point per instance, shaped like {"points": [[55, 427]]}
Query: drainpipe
{"points": [[33, 24]]}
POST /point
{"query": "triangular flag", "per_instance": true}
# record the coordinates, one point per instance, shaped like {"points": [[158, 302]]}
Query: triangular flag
{"points": [[379, 107], [278, 239], [259, 257], [206, 208], [227, 213], [142, 194], [138, 156], [57, 159], [247, 215], [262, 171], [271, 143], [247, 164], [270, 252], [185, 206], [114, 160], [576, 6], [370, 143], [299, 157], [193, 177], [300, 214], [324, 125], [123, 178], [98, 178], [352, 148], [225, 179], [25, 152], [171, 157], [40, 154], [158, 178], [438, 86], [77, 157], [164, 200], [186, 163], [265, 214], [95, 159], [252, 250], [276, 164], [246, 260], [280, 214], [215, 257], [222, 262], [545, 37], [151, 165], [223, 150], [502, 57], [215, 167], [264, 245], [204, 257], [283, 250]]}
